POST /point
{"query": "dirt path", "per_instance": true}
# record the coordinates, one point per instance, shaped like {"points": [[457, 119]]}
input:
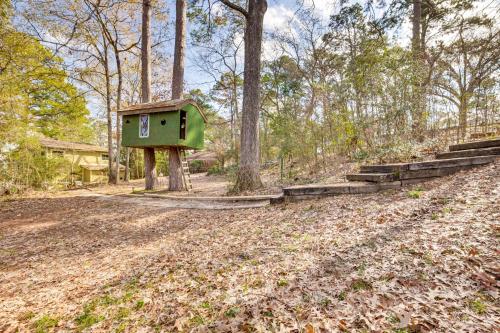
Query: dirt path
{"points": [[384, 262], [182, 202]]}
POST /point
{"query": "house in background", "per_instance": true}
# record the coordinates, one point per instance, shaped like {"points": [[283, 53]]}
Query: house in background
{"points": [[89, 163]]}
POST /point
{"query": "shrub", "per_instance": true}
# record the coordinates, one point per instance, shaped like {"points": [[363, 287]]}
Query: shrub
{"points": [[45, 323], [196, 166], [27, 166], [215, 170]]}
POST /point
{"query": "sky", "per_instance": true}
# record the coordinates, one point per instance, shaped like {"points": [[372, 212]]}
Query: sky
{"points": [[278, 14], [276, 19]]}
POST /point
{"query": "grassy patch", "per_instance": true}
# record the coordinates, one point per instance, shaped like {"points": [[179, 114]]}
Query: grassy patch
{"points": [[429, 260], [361, 269], [447, 210], [478, 306], [342, 296], [127, 296], [122, 313], [324, 302], [121, 328], [282, 283], [415, 194], [401, 330], [268, 313], [197, 320], [232, 312], [45, 323], [107, 300], [88, 318], [205, 305], [360, 284], [139, 305]]}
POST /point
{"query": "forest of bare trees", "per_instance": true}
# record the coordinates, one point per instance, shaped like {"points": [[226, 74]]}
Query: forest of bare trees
{"points": [[364, 80]]}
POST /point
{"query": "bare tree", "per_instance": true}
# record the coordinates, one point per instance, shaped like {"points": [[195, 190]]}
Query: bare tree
{"points": [[149, 153], [465, 64], [175, 175], [248, 176]]}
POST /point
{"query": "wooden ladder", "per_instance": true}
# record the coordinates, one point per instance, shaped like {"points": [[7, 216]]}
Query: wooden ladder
{"points": [[186, 175]]}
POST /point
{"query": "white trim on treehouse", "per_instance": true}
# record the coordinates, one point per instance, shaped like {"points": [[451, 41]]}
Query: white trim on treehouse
{"points": [[144, 125]]}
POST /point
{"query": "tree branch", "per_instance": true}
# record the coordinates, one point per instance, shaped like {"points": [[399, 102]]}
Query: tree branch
{"points": [[235, 7]]}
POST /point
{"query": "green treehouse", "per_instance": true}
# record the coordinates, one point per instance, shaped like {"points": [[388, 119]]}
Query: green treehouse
{"points": [[177, 123]]}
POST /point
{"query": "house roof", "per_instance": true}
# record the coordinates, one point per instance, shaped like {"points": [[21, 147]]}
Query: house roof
{"points": [[163, 106], [52, 143], [94, 167]]}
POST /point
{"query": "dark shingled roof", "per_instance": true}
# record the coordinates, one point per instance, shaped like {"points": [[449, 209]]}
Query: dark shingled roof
{"points": [[52, 143], [163, 106]]}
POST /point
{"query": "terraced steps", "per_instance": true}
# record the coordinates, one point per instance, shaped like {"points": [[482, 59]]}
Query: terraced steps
{"points": [[314, 191], [469, 153], [371, 177], [475, 145], [374, 178], [399, 168]]}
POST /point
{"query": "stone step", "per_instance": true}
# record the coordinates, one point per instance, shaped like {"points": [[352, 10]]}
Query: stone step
{"points": [[371, 177], [384, 168], [476, 145], [432, 173], [451, 162], [318, 190], [469, 153], [398, 168]]}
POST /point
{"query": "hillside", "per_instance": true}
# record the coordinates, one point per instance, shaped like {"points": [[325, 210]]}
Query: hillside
{"points": [[417, 259]]}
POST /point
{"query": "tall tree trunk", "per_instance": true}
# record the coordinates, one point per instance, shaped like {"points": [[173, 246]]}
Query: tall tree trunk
{"points": [[118, 119], [111, 173], [150, 167], [175, 173], [248, 176], [179, 52], [416, 31], [418, 97], [462, 116], [149, 153], [127, 165]]}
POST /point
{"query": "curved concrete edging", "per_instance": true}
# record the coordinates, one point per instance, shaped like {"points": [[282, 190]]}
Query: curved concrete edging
{"points": [[189, 203], [250, 198]]}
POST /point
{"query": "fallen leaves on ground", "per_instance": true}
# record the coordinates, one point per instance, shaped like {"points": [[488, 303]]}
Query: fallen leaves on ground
{"points": [[384, 262]]}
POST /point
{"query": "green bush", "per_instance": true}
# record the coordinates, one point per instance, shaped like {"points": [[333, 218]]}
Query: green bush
{"points": [[196, 166], [27, 166], [216, 170]]}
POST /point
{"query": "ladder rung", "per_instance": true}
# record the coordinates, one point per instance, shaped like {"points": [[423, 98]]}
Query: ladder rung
{"points": [[186, 175]]}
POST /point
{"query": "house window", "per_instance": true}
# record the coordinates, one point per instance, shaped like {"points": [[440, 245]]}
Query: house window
{"points": [[59, 153], [144, 125], [105, 157], [183, 125]]}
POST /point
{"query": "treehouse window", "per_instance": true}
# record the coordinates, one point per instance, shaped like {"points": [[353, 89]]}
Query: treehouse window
{"points": [[105, 157], [144, 125], [58, 153], [183, 125]]}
